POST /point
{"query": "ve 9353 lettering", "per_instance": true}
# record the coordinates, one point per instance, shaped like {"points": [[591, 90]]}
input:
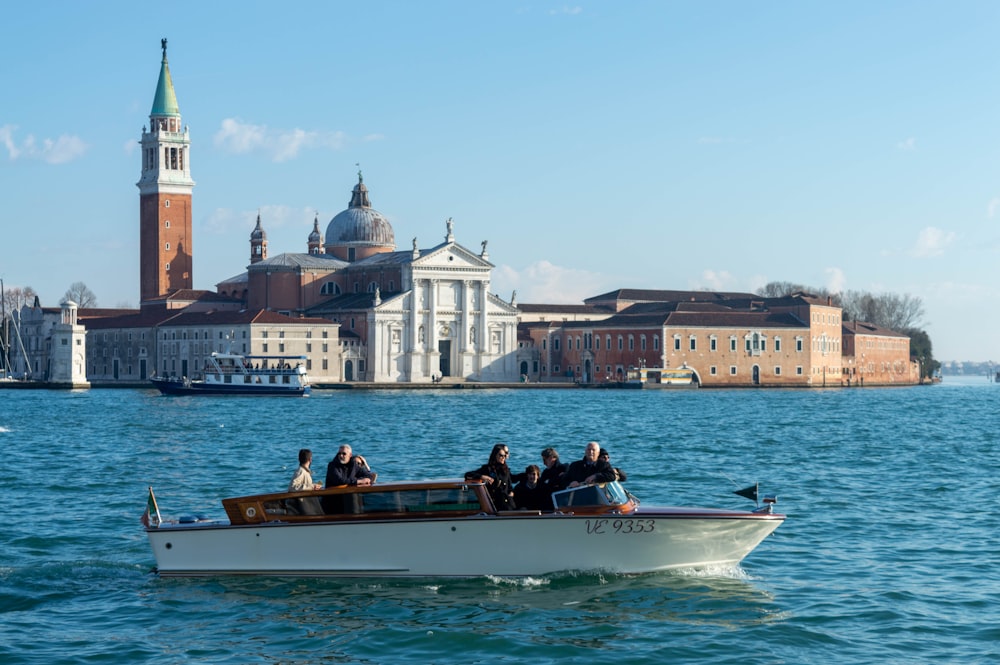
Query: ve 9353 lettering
{"points": [[604, 526]]}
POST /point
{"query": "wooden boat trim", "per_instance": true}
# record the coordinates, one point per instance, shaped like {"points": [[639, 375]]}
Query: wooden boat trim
{"points": [[348, 504]]}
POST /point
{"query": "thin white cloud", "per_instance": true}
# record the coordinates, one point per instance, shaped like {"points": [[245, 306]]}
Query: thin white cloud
{"points": [[835, 280], [992, 207], [544, 282], [567, 10], [716, 280], [64, 149], [907, 144], [932, 241], [280, 145]]}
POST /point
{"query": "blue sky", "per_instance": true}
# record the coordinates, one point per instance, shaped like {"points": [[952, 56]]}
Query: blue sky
{"points": [[595, 145]]}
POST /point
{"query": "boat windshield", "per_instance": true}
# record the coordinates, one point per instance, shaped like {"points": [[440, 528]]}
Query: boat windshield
{"points": [[605, 494]]}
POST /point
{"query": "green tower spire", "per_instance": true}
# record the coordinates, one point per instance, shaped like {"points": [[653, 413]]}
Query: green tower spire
{"points": [[165, 102]]}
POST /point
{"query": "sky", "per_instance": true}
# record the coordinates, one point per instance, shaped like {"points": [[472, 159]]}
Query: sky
{"points": [[595, 145]]}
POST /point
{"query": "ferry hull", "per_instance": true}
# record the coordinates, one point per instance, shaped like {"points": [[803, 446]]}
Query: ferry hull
{"points": [[168, 387], [644, 541]]}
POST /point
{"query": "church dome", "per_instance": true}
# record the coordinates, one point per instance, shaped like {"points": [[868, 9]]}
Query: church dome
{"points": [[360, 226]]}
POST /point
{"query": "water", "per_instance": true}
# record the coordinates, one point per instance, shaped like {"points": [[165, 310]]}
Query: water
{"points": [[888, 555]]}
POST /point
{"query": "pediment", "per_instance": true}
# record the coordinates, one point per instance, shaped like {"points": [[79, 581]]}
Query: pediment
{"points": [[451, 256]]}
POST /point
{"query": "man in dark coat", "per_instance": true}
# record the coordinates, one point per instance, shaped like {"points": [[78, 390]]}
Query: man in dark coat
{"points": [[605, 456], [345, 469], [589, 469]]}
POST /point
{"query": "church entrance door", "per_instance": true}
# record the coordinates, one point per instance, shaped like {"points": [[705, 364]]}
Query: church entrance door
{"points": [[444, 348], [349, 371]]}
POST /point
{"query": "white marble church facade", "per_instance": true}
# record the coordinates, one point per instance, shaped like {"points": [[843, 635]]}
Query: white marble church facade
{"points": [[445, 322]]}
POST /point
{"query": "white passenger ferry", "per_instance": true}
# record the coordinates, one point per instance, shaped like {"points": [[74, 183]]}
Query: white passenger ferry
{"points": [[235, 374]]}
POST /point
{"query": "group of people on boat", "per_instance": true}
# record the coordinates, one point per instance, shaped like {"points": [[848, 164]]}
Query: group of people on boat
{"points": [[529, 490], [533, 489]]}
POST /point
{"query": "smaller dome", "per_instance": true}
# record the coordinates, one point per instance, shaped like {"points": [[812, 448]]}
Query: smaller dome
{"points": [[315, 236], [360, 225]]}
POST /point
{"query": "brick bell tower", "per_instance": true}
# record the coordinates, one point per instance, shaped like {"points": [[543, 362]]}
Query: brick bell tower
{"points": [[165, 249]]}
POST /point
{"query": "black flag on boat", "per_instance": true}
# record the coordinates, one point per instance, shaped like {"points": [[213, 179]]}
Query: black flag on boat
{"points": [[748, 492]]}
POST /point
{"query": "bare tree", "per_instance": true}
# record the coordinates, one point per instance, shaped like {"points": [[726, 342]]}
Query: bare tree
{"points": [[14, 297], [889, 310], [81, 295], [782, 289]]}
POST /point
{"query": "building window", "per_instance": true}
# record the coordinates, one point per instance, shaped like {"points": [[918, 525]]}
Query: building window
{"points": [[642, 342], [732, 370], [166, 224], [656, 342], [732, 344], [677, 342], [777, 370], [798, 370], [693, 343], [777, 344], [167, 267], [798, 344], [597, 342], [713, 370], [166, 204], [621, 343], [713, 343], [631, 343]]}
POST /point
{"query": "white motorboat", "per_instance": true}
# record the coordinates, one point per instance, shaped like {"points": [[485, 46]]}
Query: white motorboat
{"points": [[450, 528]]}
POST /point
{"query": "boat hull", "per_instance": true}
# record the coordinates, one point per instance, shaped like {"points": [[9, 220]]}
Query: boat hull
{"points": [[169, 387], [645, 541]]}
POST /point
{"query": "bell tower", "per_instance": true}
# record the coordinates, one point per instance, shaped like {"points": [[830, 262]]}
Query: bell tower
{"points": [[165, 249], [258, 243]]}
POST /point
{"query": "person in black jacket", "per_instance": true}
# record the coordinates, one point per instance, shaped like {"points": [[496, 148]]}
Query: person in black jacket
{"points": [[529, 494], [348, 469], [605, 456], [589, 469], [551, 478], [496, 475]]}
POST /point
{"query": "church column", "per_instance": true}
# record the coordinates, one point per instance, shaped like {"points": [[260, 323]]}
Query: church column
{"points": [[468, 344], [416, 352], [433, 355], [485, 345]]}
